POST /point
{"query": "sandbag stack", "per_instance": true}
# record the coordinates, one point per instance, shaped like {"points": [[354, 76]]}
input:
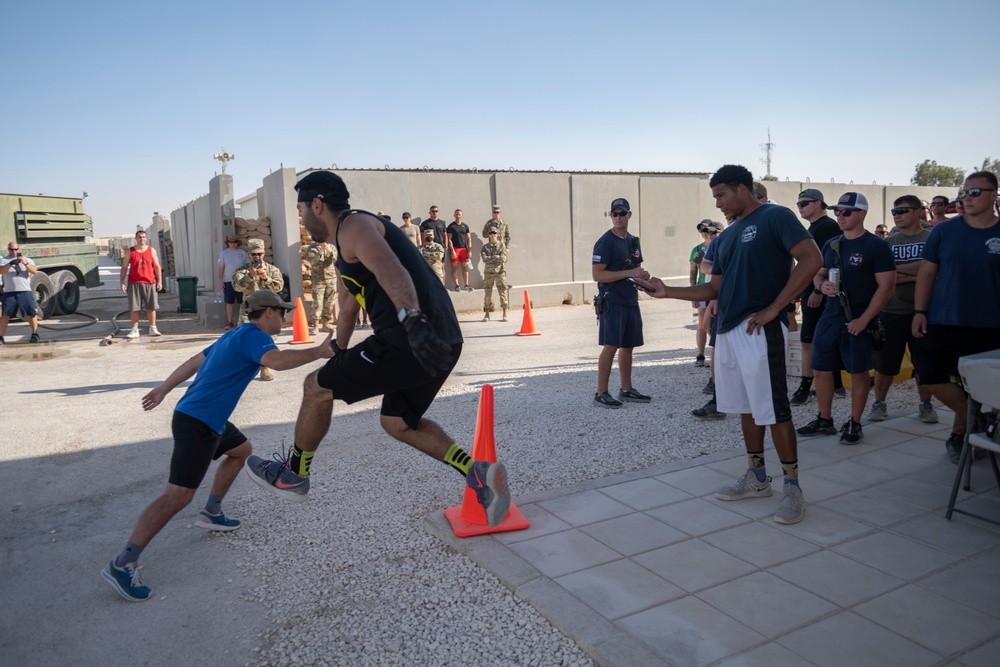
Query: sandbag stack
{"points": [[259, 228]]}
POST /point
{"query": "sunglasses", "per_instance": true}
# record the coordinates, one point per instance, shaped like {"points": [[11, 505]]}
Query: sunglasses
{"points": [[845, 212], [900, 210], [806, 202], [434, 210], [937, 203], [256, 254], [974, 192], [619, 214]]}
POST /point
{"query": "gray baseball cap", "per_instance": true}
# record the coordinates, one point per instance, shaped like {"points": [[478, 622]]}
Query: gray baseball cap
{"points": [[811, 193]]}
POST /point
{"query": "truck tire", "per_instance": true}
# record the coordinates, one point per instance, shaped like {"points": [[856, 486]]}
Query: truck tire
{"points": [[67, 292], [41, 285]]}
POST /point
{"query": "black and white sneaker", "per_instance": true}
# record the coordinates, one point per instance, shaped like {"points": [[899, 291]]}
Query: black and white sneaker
{"points": [[801, 396], [606, 400], [633, 396], [850, 433], [818, 426]]}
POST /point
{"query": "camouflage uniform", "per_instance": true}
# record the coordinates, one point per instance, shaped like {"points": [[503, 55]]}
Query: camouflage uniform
{"points": [[503, 230], [434, 254], [244, 281], [321, 258], [494, 254]]}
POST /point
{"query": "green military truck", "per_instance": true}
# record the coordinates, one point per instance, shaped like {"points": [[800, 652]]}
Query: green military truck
{"points": [[53, 232]]}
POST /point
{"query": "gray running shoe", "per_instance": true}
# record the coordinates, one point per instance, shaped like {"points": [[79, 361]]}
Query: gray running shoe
{"points": [[699, 361], [928, 414], [633, 396], [605, 400], [878, 412], [277, 477], [840, 392], [746, 486], [791, 505], [489, 481], [708, 411]]}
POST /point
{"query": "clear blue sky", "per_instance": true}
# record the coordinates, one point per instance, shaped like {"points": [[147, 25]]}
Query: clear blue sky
{"points": [[129, 100]]}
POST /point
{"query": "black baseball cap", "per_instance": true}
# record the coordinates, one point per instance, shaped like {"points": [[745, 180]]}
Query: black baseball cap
{"points": [[324, 185], [621, 203]]}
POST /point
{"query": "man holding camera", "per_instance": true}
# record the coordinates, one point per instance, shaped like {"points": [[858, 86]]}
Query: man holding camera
{"points": [[254, 276], [17, 293], [617, 258]]}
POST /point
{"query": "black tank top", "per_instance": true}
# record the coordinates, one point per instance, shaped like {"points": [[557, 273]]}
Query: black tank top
{"points": [[434, 299]]}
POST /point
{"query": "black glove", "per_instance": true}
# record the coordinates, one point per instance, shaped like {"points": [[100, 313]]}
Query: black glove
{"points": [[432, 352]]}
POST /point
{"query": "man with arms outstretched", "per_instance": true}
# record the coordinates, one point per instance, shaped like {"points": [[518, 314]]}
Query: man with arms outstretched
{"points": [[753, 279]]}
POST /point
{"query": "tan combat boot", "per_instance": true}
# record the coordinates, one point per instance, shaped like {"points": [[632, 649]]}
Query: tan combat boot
{"points": [[504, 315], [265, 374], [486, 317]]}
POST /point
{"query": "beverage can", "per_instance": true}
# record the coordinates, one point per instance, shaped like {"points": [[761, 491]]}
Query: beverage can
{"points": [[834, 277]]}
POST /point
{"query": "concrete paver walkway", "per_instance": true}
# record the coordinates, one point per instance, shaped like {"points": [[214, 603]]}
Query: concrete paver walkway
{"points": [[649, 568]]}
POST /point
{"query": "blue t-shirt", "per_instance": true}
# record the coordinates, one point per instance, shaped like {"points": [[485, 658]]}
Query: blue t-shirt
{"points": [[862, 257], [618, 254], [230, 364], [753, 257], [968, 278]]}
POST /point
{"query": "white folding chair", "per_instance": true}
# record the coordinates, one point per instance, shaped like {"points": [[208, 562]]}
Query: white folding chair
{"points": [[981, 377]]}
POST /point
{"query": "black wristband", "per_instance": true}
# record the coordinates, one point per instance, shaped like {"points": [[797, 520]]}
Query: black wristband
{"points": [[920, 312], [816, 291]]}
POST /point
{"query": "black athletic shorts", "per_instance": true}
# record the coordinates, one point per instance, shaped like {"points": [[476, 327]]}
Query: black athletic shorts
{"points": [[196, 446], [936, 360], [810, 316], [376, 368], [898, 336]]}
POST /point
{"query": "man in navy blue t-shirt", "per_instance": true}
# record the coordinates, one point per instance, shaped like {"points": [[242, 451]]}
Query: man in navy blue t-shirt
{"points": [[843, 339], [754, 281], [202, 431], [955, 305], [617, 258]]}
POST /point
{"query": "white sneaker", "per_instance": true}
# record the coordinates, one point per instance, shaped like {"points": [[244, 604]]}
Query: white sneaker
{"points": [[153, 331], [134, 333], [791, 505]]}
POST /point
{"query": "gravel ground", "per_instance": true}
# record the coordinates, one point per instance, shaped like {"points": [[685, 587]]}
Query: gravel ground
{"points": [[350, 577]]}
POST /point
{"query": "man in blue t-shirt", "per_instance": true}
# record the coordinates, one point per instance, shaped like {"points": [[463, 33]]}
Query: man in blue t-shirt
{"points": [[202, 431], [843, 338], [617, 258], [754, 281], [955, 304]]}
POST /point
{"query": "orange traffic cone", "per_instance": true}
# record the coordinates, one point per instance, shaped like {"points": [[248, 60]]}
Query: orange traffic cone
{"points": [[470, 518], [528, 322], [300, 325]]}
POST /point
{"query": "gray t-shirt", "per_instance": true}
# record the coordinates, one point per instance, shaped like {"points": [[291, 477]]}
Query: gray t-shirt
{"points": [[230, 260], [15, 274], [753, 257]]}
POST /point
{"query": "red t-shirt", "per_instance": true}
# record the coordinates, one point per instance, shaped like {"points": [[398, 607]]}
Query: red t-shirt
{"points": [[140, 266]]}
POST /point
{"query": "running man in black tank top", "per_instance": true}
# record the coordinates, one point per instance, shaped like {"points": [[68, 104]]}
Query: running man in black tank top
{"points": [[415, 343]]}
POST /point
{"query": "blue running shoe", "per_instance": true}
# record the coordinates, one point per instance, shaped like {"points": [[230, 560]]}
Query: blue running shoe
{"points": [[126, 581], [277, 477], [489, 481], [217, 522]]}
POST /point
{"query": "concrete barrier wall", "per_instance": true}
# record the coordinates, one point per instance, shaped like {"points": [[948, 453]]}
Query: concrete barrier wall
{"points": [[279, 206], [555, 218]]}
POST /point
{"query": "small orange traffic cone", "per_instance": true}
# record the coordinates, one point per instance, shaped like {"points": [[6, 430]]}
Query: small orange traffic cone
{"points": [[300, 325], [470, 518], [528, 322]]}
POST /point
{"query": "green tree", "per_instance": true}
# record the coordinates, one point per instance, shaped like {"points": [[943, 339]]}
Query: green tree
{"points": [[990, 164], [929, 172]]}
